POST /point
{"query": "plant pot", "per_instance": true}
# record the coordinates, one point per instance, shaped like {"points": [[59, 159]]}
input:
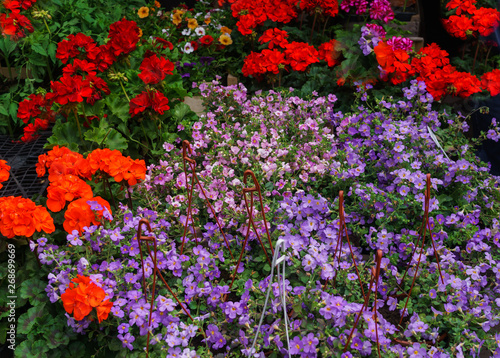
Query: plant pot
{"points": [[404, 16], [195, 103], [23, 74]]}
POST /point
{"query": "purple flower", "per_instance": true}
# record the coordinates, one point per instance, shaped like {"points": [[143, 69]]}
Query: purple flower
{"points": [[417, 351], [127, 340], [296, 345], [74, 238], [123, 328], [310, 342]]}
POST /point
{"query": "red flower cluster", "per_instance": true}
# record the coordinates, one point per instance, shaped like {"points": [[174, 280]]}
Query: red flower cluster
{"points": [[275, 37], [4, 172], [148, 99], [154, 69], [297, 55], [79, 45], [393, 62], [468, 19], [252, 13], [14, 24], [329, 52], [491, 81], [81, 299], [22, 217], [38, 107], [123, 36], [76, 88], [329, 7]]}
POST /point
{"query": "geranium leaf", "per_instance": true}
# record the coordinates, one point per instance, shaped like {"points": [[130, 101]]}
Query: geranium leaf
{"points": [[56, 338], [27, 320], [34, 290]]}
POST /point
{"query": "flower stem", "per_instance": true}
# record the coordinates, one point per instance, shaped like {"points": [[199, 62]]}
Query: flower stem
{"points": [[78, 125], [475, 57], [125, 92], [312, 29], [8, 66]]}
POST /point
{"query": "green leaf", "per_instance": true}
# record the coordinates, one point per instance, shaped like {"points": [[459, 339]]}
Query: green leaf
{"points": [[52, 49], [34, 290], [13, 111], [36, 47], [27, 320], [180, 111], [64, 134], [119, 106], [110, 137], [56, 338], [7, 46]]}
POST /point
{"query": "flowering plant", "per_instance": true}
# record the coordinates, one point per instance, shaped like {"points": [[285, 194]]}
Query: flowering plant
{"points": [[198, 39], [377, 154]]}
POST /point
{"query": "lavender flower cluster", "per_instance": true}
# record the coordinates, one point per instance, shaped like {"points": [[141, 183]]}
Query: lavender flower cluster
{"points": [[302, 153]]}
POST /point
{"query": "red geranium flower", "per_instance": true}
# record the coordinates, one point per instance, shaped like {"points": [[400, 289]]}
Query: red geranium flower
{"points": [[275, 37], [124, 36], [491, 82], [154, 69], [145, 100]]}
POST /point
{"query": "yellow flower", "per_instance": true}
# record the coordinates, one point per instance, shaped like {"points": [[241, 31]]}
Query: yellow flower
{"points": [[226, 30], [143, 12], [157, 4], [176, 18], [207, 20], [140, 32], [192, 24], [225, 39]]}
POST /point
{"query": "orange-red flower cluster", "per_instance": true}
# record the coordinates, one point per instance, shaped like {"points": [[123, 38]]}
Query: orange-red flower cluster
{"points": [[68, 172], [469, 20], [297, 55], [81, 299], [22, 217], [432, 65], [4, 172], [80, 213], [116, 165]]}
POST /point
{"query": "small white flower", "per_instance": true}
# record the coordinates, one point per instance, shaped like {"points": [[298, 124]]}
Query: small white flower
{"points": [[164, 31], [186, 32], [188, 48], [200, 31]]}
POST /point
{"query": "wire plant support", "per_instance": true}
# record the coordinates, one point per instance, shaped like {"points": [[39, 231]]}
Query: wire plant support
{"points": [[374, 279], [338, 248], [156, 271], [422, 233], [186, 149]]}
